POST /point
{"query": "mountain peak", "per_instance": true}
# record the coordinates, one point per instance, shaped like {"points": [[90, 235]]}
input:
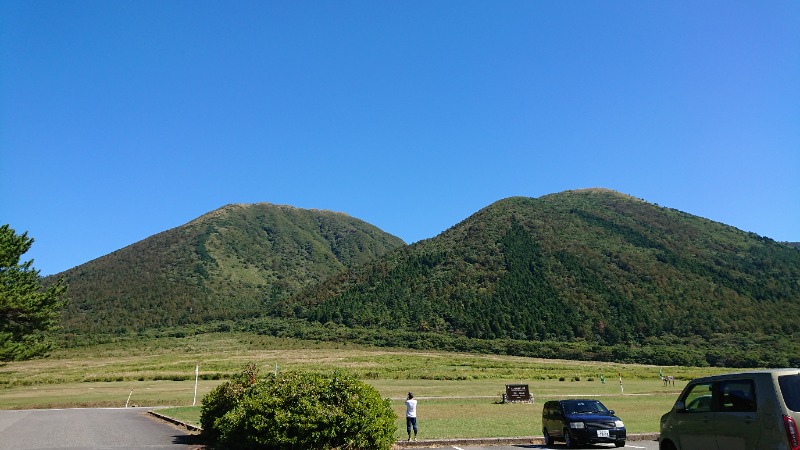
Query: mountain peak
{"points": [[574, 265], [229, 263]]}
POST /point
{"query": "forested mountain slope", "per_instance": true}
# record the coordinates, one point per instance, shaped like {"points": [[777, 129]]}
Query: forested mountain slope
{"points": [[230, 263], [590, 266]]}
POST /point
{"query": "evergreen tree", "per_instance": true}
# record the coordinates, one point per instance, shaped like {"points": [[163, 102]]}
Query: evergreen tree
{"points": [[28, 310]]}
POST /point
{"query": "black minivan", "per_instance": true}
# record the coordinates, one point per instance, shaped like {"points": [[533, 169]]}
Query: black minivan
{"points": [[581, 422]]}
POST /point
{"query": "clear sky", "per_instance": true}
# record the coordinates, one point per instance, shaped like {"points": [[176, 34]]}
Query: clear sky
{"points": [[122, 119]]}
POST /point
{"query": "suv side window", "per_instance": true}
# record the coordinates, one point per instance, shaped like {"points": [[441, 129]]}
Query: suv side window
{"points": [[698, 398], [737, 396], [790, 389]]}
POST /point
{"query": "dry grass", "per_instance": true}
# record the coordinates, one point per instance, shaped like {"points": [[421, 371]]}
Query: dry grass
{"points": [[465, 409], [459, 393]]}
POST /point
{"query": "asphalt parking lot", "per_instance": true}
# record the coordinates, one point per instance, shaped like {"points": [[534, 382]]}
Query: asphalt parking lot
{"points": [[89, 429], [134, 428], [645, 441]]}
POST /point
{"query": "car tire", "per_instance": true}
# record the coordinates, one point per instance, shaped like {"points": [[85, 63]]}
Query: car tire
{"points": [[667, 445], [548, 441], [568, 439], [619, 443]]}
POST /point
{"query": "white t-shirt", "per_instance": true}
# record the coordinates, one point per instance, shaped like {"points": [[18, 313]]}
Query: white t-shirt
{"points": [[411, 407]]}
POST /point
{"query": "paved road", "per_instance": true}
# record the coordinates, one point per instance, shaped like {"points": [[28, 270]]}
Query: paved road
{"points": [[89, 429], [641, 445], [133, 428]]}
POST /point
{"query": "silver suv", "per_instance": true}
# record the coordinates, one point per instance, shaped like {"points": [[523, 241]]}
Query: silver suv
{"points": [[756, 410]]}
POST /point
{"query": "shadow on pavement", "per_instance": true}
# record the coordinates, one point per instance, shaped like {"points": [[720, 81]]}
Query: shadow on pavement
{"points": [[195, 440]]}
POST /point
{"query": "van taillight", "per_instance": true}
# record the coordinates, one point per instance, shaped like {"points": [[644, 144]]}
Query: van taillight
{"points": [[791, 432]]}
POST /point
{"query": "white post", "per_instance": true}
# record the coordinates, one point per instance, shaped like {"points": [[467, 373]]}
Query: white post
{"points": [[129, 398], [196, 374]]}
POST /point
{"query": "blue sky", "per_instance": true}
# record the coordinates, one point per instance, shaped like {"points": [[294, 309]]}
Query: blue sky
{"points": [[119, 120]]}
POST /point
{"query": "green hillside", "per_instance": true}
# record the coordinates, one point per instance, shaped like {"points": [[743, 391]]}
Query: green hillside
{"points": [[589, 274], [231, 263], [592, 266]]}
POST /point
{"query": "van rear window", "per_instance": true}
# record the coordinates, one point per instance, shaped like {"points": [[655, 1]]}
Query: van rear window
{"points": [[790, 388]]}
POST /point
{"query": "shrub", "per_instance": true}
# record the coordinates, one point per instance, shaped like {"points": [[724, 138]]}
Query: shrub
{"points": [[224, 398], [298, 410]]}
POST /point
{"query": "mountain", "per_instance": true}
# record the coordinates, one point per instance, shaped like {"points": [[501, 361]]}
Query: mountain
{"points": [[590, 265], [586, 274], [228, 264]]}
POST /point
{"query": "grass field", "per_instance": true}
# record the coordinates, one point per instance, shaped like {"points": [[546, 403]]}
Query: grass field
{"points": [[459, 394], [470, 415]]}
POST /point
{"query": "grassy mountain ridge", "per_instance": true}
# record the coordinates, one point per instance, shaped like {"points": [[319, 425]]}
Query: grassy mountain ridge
{"points": [[590, 265], [227, 264]]}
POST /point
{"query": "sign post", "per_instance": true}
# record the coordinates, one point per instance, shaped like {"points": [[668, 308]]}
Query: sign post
{"points": [[196, 375]]}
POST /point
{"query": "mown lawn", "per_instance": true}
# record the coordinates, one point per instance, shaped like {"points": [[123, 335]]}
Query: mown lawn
{"points": [[485, 416], [459, 394]]}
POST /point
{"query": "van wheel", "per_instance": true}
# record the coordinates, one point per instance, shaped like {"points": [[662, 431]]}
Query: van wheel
{"points": [[548, 441], [568, 439]]}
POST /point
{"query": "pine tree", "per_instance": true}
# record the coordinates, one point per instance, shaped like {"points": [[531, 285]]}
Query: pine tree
{"points": [[28, 310]]}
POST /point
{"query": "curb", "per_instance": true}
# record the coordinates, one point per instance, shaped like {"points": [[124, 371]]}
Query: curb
{"points": [[537, 440], [188, 426]]}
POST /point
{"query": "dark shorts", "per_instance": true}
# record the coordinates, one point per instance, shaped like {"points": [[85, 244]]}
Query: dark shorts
{"points": [[411, 422]]}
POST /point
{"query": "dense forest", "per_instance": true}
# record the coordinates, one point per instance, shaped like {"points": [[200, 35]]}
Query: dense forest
{"points": [[589, 274], [590, 266]]}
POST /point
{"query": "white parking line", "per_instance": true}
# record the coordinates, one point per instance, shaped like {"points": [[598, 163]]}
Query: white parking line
{"points": [[633, 446]]}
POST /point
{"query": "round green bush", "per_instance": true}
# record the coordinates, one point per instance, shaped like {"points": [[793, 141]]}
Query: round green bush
{"points": [[298, 410], [224, 398]]}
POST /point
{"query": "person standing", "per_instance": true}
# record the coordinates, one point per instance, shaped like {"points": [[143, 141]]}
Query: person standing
{"points": [[411, 415]]}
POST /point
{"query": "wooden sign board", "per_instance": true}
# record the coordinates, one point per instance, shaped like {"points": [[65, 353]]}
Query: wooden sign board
{"points": [[517, 393]]}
